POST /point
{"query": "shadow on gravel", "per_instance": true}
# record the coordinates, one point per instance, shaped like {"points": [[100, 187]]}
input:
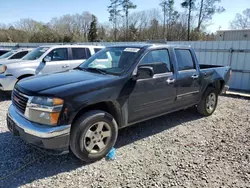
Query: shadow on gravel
{"points": [[21, 164], [5, 96], [154, 126]]}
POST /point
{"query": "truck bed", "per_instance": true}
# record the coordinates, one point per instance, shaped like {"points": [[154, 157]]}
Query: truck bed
{"points": [[205, 66]]}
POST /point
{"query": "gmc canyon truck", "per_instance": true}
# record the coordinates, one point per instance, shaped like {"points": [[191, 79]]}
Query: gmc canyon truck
{"points": [[81, 110]]}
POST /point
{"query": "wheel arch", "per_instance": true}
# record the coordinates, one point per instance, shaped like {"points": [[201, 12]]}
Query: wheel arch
{"points": [[217, 84], [111, 107], [24, 76]]}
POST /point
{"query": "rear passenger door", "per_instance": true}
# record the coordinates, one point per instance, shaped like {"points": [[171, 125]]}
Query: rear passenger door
{"points": [[78, 56], [59, 61], [188, 81]]}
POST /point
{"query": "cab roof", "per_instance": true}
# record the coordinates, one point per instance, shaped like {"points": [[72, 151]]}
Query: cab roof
{"points": [[149, 46]]}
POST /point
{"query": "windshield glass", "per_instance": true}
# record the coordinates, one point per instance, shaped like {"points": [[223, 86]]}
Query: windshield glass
{"points": [[112, 60], [35, 54], [6, 55]]}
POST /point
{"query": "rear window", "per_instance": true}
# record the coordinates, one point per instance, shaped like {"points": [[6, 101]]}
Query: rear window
{"points": [[184, 59], [80, 53], [3, 52], [19, 55], [6, 55]]}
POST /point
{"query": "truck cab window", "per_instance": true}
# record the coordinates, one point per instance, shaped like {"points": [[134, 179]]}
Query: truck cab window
{"points": [[159, 60], [184, 59]]}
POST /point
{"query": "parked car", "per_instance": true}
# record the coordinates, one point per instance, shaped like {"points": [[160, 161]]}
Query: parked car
{"points": [[14, 54], [3, 51], [81, 110], [44, 59]]}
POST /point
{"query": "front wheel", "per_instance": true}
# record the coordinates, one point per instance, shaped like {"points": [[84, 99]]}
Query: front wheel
{"points": [[208, 103], [93, 135]]}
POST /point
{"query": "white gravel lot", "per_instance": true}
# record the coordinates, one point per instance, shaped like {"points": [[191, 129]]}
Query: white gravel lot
{"points": [[182, 149]]}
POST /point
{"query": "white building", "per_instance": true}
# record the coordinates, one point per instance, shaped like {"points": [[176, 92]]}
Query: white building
{"points": [[232, 35]]}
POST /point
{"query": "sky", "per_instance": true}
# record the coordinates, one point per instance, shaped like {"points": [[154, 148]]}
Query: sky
{"points": [[43, 10]]}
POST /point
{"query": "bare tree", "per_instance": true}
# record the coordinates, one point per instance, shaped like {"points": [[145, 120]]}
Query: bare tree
{"points": [[28, 25], [207, 8], [241, 21], [76, 26], [3, 26]]}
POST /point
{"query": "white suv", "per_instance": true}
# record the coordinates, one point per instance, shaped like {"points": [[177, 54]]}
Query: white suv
{"points": [[44, 59]]}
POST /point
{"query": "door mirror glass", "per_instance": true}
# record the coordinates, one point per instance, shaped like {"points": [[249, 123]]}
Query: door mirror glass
{"points": [[47, 59], [144, 72]]}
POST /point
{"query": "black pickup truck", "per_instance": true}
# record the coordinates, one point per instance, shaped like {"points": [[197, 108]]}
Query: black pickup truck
{"points": [[81, 110]]}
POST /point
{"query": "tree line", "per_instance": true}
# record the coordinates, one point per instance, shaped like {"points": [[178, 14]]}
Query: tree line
{"points": [[164, 22]]}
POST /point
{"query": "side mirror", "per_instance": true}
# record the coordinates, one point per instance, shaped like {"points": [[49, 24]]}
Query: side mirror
{"points": [[144, 72], [47, 59]]}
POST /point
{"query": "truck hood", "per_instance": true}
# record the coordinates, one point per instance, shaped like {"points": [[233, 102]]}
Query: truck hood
{"points": [[61, 82]]}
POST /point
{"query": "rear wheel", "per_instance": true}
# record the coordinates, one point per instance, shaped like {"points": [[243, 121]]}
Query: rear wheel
{"points": [[208, 103], [93, 135]]}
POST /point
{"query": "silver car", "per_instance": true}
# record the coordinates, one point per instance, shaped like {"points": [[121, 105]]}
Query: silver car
{"points": [[44, 59], [14, 54]]}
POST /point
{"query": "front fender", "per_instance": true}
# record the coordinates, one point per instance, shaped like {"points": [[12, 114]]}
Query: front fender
{"points": [[17, 73]]}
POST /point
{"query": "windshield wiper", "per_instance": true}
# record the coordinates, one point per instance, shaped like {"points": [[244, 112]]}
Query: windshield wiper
{"points": [[92, 69]]}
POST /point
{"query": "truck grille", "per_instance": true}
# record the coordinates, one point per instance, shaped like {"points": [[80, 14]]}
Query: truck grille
{"points": [[19, 101]]}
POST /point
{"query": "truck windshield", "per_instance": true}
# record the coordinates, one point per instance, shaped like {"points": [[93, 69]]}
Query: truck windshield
{"points": [[36, 53], [6, 55], [111, 60]]}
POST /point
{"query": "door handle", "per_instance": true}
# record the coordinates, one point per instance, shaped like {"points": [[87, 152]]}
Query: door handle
{"points": [[65, 66], [195, 76], [170, 80]]}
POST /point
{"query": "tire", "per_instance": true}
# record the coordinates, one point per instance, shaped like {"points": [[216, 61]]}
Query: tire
{"points": [[204, 107], [86, 135]]}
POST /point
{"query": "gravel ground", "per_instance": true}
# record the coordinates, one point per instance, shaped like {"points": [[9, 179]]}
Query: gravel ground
{"points": [[177, 150]]}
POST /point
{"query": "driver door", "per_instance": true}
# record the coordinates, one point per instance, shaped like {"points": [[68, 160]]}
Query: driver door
{"points": [[59, 61], [153, 96]]}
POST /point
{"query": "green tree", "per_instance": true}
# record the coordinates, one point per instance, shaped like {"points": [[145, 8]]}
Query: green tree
{"points": [[190, 5], [114, 13], [133, 31], [127, 5], [92, 36]]}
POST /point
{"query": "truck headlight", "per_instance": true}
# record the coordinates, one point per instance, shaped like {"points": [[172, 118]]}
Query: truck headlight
{"points": [[44, 110], [3, 68]]}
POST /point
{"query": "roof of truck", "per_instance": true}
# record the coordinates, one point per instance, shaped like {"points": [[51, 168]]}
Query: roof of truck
{"points": [[151, 45]]}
